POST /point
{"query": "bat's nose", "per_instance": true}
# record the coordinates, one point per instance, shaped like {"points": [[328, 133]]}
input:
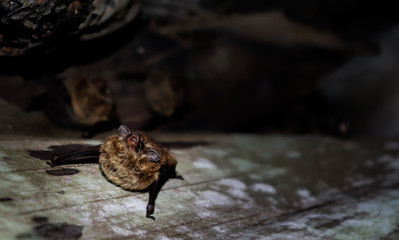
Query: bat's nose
{"points": [[133, 140]]}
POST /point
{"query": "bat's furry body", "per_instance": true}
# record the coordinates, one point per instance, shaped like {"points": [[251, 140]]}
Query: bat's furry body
{"points": [[132, 161], [131, 169]]}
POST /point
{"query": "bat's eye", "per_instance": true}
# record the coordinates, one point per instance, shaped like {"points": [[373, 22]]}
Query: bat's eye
{"points": [[153, 156], [140, 145]]}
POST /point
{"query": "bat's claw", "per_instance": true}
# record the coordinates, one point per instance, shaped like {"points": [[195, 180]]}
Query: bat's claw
{"points": [[150, 211], [150, 216], [50, 163], [179, 177], [53, 161]]}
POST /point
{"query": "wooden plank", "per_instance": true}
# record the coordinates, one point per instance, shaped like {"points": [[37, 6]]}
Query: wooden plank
{"points": [[236, 186]]}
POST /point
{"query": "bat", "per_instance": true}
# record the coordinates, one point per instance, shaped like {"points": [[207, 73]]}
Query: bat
{"points": [[79, 102], [131, 160]]}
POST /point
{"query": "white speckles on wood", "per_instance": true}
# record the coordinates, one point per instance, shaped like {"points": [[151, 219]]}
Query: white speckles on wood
{"points": [[304, 193], [243, 165], [204, 163], [210, 199], [236, 188], [233, 183], [263, 188]]}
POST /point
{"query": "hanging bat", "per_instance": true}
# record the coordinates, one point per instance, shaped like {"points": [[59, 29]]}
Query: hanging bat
{"points": [[132, 161], [79, 102]]}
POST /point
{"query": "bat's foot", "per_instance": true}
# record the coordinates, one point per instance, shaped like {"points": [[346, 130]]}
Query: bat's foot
{"points": [[53, 161], [50, 163], [150, 216], [180, 177], [150, 211]]}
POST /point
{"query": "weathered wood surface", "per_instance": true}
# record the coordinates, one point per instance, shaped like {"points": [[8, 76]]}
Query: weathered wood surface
{"points": [[235, 187]]}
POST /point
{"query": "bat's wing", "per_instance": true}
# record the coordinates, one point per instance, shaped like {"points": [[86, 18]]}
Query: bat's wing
{"points": [[92, 152], [71, 153]]}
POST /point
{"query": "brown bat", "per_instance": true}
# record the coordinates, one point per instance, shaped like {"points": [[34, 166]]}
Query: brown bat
{"points": [[132, 161], [80, 102]]}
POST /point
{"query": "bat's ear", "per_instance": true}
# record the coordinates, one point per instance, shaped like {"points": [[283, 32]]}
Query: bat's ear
{"points": [[123, 131], [153, 156]]}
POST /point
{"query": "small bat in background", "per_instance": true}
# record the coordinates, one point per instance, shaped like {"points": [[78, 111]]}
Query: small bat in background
{"points": [[79, 102], [132, 161]]}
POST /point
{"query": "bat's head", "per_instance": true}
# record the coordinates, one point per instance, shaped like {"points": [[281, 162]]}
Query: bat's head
{"points": [[132, 139], [141, 144]]}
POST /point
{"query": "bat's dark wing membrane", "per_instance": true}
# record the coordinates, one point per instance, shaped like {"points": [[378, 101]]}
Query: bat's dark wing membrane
{"points": [[92, 152], [71, 153]]}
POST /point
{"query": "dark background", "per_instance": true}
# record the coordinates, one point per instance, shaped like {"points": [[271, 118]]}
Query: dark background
{"points": [[297, 67]]}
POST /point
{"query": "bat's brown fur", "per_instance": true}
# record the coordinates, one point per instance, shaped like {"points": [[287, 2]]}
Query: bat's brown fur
{"points": [[129, 168]]}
